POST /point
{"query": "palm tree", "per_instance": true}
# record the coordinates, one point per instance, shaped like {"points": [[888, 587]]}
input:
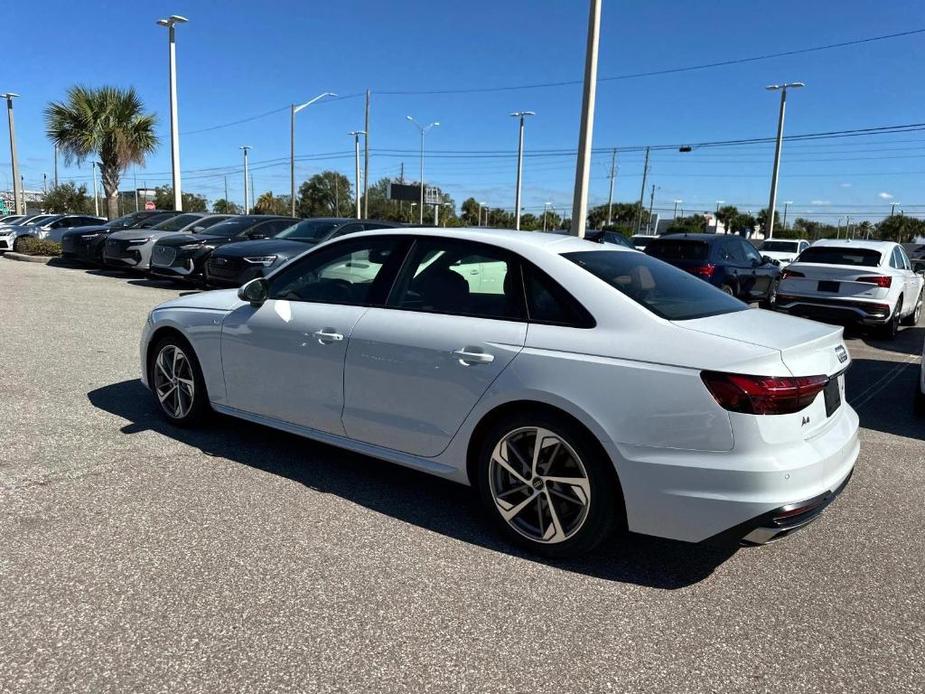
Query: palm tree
{"points": [[107, 122]]}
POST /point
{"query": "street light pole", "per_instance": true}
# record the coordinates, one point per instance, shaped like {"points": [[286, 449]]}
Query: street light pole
{"points": [[546, 213], [772, 201], [9, 96], [642, 192], [171, 23], [479, 223], [356, 162], [716, 217], [294, 109], [613, 176], [96, 197], [676, 203], [423, 129], [487, 210], [245, 148], [787, 205], [520, 163], [56, 165], [583, 164]]}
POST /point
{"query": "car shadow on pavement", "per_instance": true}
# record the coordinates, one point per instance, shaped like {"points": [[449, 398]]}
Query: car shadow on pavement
{"points": [[445, 507], [883, 392], [908, 341]]}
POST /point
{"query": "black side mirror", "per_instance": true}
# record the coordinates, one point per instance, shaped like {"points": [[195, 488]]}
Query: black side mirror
{"points": [[254, 235], [769, 261], [254, 292]]}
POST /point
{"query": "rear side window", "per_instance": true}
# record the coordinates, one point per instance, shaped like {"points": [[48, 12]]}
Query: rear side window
{"points": [[838, 255], [664, 290], [550, 304], [678, 249]]}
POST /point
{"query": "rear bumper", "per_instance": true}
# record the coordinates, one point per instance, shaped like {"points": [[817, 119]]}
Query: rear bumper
{"points": [[841, 310]]}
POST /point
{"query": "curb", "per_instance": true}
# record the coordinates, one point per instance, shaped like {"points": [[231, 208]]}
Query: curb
{"points": [[12, 255]]}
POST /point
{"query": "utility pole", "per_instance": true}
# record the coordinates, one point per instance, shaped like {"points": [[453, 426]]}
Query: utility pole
{"points": [[787, 205], [366, 161], [44, 184], [892, 208], [651, 202], [245, 148], [772, 201], [135, 185], [9, 96], [675, 214], [546, 213], [356, 161], [520, 163], [847, 226], [56, 165], [226, 189], [613, 176], [583, 163], [96, 197], [642, 191], [171, 23], [479, 223], [401, 203]]}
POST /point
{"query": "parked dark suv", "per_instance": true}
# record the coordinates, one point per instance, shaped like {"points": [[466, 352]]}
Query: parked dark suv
{"points": [[725, 261]]}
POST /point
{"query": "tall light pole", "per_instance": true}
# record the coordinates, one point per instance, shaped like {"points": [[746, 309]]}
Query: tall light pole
{"points": [[96, 197], [613, 177], [893, 207], [9, 96], [583, 164], [676, 203], [294, 109], [716, 217], [56, 165], [520, 163], [546, 213], [244, 148], [423, 129], [171, 23], [485, 205], [787, 204], [772, 201], [480, 215], [356, 161]]}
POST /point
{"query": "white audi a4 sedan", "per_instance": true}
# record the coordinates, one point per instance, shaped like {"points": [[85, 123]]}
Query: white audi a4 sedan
{"points": [[581, 388]]}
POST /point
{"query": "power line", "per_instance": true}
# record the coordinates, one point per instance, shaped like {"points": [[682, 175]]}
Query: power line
{"points": [[654, 73]]}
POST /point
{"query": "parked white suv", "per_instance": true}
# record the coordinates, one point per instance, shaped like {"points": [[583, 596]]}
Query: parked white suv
{"points": [[784, 251], [867, 282]]}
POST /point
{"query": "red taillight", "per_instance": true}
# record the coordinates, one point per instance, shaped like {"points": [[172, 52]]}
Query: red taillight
{"points": [[704, 270], [763, 394], [791, 273], [880, 280]]}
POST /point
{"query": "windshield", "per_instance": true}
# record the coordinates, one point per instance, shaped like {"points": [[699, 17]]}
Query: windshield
{"points": [[127, 221], [664, 290], [678, 249], [41, 219], [177, 223], [780, 246], [309, 230], [155, 219], [838, 255], [232, 227]]}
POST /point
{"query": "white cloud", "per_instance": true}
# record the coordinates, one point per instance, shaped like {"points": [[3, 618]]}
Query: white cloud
{"points": [[885, 196], [844, 185], [820, 202]]}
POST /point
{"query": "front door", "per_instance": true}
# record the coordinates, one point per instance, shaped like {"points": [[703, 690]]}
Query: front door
{"points": [[416, 368], [285, 359]]}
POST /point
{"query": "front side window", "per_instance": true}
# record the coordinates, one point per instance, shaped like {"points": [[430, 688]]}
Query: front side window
{"points": [[310, 230], [751, 254], [462, 278], [353, 272], [663, 289]]}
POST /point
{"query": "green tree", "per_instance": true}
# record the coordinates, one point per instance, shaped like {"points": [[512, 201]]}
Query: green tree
{"points": [[326, 194], [470, 212], [108, 124], [192, 202], [272, 204], [695, 224], [726, 215], [68, 197], [624, 215], [762, 219], [900, 228], [222, 206]]}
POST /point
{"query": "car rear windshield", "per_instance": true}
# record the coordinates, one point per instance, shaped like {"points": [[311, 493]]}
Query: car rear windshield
{"points": [[232, 227], [678, 249], [780, 246], [177, 223], [836, 255], [665, 290], [309, 230]]}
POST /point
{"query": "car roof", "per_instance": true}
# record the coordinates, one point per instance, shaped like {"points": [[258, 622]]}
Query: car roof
{"points": [[696, 237], [857, 243], [506, 238]]}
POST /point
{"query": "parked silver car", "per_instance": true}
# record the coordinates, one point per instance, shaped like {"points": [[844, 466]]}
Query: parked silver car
{"points": [[131, 249]]}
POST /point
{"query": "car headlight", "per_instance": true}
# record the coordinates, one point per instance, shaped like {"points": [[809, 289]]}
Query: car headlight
{"points": [[265, 260], [91, 236], [142, 239], [192, 246]]}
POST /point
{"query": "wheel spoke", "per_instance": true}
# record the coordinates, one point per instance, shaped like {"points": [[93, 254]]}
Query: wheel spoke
{"points": [[506, 447], [163, 395], [558, 532], [573, 482], [163, 369], [509, 514], [565, 497], [518, 488]]}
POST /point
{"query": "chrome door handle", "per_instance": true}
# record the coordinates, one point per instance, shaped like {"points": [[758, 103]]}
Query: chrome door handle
{"points": [[328, 335], [467, 358]]}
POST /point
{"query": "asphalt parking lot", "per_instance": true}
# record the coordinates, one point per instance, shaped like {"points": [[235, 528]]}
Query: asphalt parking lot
{"points": [[138, 557]]}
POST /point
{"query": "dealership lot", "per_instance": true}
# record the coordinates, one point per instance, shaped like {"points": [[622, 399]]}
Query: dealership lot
{"points": [[140, 557]]}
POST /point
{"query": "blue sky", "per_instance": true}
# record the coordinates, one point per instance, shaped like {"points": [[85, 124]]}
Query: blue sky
{"points": [[240, 59]]}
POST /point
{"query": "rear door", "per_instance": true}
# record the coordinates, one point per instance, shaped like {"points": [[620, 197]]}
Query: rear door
{"points": [[416, 368], [739, 268], [911, 283], [763, 273]]}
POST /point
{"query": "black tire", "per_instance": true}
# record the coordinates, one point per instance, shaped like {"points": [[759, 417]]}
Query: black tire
{"points": [[771, 299], [913, 318], [191, 410], [891, 328], [603, 513], [728, 289], [920, 403]]}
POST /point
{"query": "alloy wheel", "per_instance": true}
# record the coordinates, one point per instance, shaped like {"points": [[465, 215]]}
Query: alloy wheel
{"points": [[173, 381], [539, 485]]}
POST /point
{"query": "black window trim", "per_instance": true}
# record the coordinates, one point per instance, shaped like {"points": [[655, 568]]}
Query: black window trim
{"points": [[377, 294]]}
